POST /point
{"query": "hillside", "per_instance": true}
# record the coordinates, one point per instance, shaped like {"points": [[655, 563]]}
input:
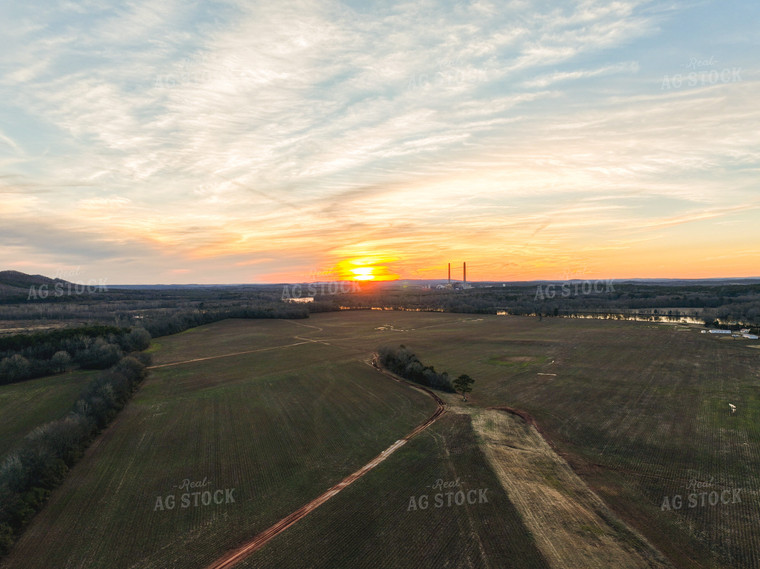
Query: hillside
{"points": [[16, 283]]}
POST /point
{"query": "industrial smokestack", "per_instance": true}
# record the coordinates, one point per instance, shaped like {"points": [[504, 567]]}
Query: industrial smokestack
{"points": [[464, 272], [449, 273]]}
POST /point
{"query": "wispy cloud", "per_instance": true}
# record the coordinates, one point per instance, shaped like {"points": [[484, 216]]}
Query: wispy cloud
{"points": [[268, 139]]}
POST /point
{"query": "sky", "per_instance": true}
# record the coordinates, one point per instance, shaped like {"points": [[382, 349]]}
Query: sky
{"points": [[147, 142]]}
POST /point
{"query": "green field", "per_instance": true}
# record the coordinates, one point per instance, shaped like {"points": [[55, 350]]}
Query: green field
{"points": [[639, 409], [374, 523], [278, 426], [27, 405]]}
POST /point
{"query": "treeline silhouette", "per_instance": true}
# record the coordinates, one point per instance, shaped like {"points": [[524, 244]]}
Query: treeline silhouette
{"points": [[129, 307], [710, 303], [26, 356], [33, 469], [403, 362], [166, 307], [165, 324], [99, 346]]}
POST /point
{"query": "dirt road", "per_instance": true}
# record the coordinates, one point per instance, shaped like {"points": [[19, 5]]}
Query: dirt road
{"points": [[236, 555]]}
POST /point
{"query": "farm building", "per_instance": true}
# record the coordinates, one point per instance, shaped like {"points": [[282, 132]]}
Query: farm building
{"points": [[714, 331], [750, 336]]}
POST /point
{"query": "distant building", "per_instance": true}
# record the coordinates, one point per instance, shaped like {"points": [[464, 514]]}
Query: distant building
{"points": [[750, 336], [714, 331]]}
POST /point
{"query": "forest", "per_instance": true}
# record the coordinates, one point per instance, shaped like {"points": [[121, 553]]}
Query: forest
{"points": [[731, 305]]}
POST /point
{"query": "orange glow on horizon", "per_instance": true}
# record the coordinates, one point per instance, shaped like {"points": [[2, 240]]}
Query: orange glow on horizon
{"points": [[365, 269]]}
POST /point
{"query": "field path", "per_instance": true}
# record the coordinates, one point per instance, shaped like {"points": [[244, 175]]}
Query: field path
{"points": [[237, 555], [232, 354], [572, 525]]}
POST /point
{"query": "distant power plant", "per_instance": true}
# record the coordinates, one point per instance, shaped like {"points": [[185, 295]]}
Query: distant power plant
{"points": [[464, 274]]}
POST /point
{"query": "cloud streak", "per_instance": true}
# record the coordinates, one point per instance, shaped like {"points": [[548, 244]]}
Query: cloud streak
{"points": [[270, 139]]}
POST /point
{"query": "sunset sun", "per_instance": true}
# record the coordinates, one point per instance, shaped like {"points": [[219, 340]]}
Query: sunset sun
{"points": [[363, 274], [365, 268]]}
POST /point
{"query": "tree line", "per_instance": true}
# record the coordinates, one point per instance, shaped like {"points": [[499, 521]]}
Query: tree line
{"points": [[128, 307], [724, 302], [98, 346], [30, 472], [166, 324], [403, 362], [26, 356]]}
